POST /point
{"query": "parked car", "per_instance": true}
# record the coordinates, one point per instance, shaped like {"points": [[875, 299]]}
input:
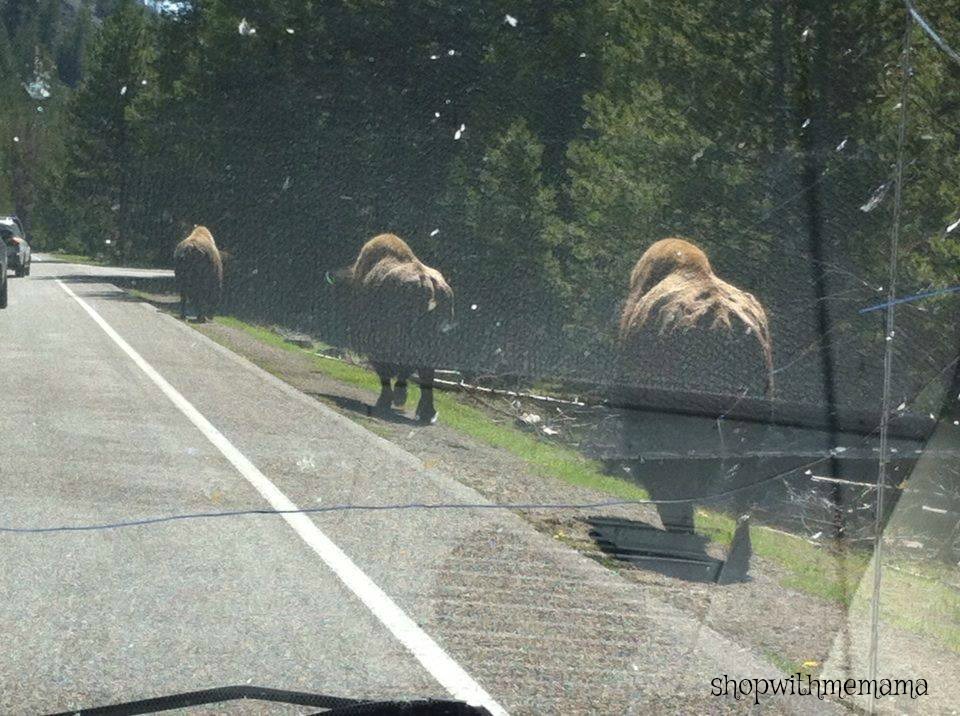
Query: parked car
{"points": [[16, 220], [15, 239], [3, 279]]}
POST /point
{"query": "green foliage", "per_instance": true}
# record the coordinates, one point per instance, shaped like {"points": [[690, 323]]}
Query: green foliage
{"points": [[549, 149], [29, 128], [507, 245], [39, 40], [100, 181], [72, 48]]}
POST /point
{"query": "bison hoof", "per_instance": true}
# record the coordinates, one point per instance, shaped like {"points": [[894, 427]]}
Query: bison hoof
{"points": [[427, 418], [382, 406], [399, 396]]}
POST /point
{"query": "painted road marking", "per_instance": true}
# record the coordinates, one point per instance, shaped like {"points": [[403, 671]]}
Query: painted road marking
{"points": [[431, 656]]}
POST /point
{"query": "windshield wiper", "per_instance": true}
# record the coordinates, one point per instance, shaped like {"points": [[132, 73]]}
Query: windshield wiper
{"points": [[332, 705]]}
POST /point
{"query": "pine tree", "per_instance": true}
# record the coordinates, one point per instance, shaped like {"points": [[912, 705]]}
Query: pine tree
{"points": [[72, 48], [505, 258], [48, 22], [26, 119], [104, 121]]}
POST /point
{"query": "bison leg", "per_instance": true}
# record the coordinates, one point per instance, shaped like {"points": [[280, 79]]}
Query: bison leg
{"points": [[183, 306], [400, 387], [426, 413], [203, 307], [677, 517], [675, 481], [385, 371]]}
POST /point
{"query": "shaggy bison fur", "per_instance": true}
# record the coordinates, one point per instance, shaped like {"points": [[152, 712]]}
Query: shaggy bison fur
{"points": [[199, 273], [677, 305], [399, 308], [687, 329]]}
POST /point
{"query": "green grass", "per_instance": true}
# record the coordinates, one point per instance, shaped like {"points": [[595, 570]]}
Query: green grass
{"points": [[923, 606], [97, 260], [822, 571], [74, 258], [789, 666], [921, 602]]}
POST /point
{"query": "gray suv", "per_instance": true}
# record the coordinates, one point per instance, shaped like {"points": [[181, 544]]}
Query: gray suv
{"points": [[3, 279]]}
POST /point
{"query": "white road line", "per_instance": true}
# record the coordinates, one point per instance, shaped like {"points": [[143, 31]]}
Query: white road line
{"points": [[434, 659]]}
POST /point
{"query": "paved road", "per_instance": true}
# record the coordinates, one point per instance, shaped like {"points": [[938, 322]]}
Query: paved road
{"points": [[114, 412]]}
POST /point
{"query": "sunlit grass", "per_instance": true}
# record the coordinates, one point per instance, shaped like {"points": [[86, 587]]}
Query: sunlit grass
{"points": [[915, 596], [824, 571], [788, 666], [71, 258]]}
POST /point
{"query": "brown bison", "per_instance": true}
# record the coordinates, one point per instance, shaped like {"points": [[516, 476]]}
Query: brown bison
{"points": [[684, 327], [676, 302], [199, 271], [399, 307]]}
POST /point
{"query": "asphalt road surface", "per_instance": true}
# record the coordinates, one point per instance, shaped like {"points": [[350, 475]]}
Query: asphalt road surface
{"points": [[114, 413]]}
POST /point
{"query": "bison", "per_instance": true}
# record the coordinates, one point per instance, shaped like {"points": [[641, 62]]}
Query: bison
{"points": [[686, 328], [676, 304], [199, 272], [399, 309]]}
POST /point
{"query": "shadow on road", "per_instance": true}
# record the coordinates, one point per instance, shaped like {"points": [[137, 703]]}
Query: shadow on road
{"points": [[112, 296], [151, 284], [365, 409]]}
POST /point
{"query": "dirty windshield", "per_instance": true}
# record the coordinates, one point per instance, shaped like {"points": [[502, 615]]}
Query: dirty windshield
{"points": [[511, 356]]}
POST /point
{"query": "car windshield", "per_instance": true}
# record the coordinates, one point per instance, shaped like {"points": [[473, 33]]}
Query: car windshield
{"points": [[552, 357]]}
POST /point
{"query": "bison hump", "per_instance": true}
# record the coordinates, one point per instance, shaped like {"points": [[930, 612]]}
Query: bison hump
{"points": [[200, 241], [385, 247], [664, 258]]}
